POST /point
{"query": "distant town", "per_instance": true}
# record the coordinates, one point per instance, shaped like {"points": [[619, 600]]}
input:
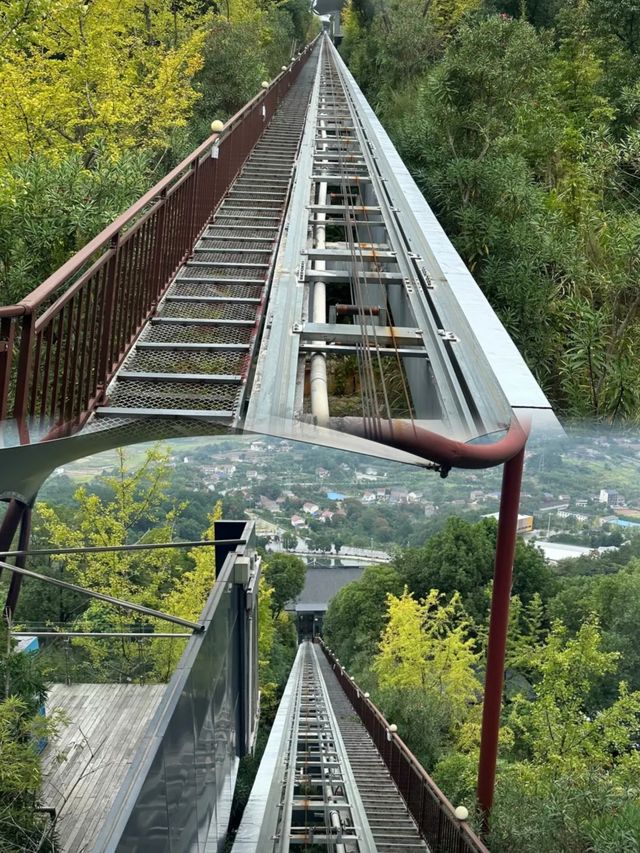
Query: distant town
{"points": [[579, 495]]}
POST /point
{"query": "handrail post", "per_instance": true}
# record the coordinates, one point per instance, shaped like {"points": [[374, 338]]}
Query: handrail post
{"points": [[27, 335], [195, 173], [108, 304], [498, 628], [158, 250], [7, 334]]}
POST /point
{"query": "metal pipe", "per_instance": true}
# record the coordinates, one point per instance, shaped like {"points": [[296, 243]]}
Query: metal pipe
{"points": [[150, 635], [445, 452], [144, 546], [319, 388], [336, 823], [355, 310], [117, 602], [498, 628]]}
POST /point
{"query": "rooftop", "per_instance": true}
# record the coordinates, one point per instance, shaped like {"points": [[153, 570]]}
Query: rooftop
{"points": [[322, 584]]}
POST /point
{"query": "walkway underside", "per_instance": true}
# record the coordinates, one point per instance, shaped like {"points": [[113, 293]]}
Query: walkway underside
{"points": [[322, 784]]}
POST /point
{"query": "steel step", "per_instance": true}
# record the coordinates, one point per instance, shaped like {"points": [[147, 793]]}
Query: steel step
{"points": [[209, 378], [136, 412]]}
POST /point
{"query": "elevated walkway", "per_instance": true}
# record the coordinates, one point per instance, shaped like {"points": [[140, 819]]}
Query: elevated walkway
{"points": [[392, 827], [287, 278], [335, 777], [193, 357]]}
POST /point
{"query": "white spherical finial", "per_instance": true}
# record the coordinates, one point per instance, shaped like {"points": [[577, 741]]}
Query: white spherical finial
{"points": [[366, 695], [461, 812], [217, 125], [265, 84], [284, 68], [393, 728]]}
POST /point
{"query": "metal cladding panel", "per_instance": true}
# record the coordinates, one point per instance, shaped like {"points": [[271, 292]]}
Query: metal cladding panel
{"points": [[179, 766], [461, 303], [177, 794], [151, 816], [205, 776]]}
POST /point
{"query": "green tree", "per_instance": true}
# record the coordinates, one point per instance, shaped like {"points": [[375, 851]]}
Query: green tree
{"points": [[619, 18], [112, 73], [460, 558], [427, 644], [561, 726], [133, 513], [37, 233], [286, 574], [356, 616], [289, 540], [615, 601], [22, 692]]}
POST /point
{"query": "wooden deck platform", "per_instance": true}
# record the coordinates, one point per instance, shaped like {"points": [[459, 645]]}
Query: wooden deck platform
{"points": [[106, 724]]}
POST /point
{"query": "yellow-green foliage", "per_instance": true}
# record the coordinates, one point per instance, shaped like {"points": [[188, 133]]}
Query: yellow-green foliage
{"points": [[74, 74], [426, 644], [186, 599], [266, 626], [557, 727], [154, 578]]}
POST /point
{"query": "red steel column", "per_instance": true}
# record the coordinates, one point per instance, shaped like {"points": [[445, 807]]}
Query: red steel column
{"points": [[498, 626]]}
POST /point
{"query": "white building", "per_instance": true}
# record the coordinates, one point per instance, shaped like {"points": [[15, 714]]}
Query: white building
{"points": [[611, 497]]}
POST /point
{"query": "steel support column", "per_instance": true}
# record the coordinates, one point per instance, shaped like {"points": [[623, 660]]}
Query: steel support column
{"points": [[16, 579], [10, 523], [498, 627]]}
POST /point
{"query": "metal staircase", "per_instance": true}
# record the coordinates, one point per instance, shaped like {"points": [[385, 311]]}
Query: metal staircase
{"points": [[392, 827], [193, 358]]}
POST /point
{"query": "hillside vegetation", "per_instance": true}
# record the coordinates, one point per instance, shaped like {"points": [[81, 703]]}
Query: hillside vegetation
{"points": [[414, 634], [99, 99], [520, 120]]}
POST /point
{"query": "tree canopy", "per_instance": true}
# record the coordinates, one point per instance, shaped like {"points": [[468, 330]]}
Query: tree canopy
{"points": [[519, 121], [100, 99], [461, 557], [286, 575]]}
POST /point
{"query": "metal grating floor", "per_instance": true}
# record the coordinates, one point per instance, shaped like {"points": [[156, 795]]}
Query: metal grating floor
{"points": [[192, 356]]}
